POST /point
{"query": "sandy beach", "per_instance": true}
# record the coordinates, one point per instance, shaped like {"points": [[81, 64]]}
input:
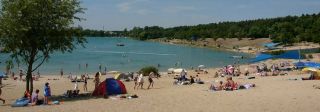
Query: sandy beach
{"points": [[271, 94], [245, 45]]}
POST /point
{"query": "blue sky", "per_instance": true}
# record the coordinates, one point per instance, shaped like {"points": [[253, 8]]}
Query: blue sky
{"points": [[120, 14]]}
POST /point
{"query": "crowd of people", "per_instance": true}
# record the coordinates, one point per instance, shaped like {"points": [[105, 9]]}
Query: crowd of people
{"points": [[34, 98], [230, 85], [230, 70]]}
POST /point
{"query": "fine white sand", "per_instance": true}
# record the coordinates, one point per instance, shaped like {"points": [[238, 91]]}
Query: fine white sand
{"points": [[271, 94]]}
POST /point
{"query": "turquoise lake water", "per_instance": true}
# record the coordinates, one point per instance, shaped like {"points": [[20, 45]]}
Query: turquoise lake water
{"points": [[131, 57]]}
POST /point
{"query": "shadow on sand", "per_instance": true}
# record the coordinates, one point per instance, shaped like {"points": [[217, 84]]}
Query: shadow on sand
{"points": [[83, 96]]}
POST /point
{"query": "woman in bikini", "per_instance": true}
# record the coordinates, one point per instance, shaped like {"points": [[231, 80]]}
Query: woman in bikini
{"points": [[150, 79]]}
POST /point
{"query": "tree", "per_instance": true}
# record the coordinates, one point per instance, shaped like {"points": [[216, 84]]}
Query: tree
{"points": [[31, 30]]}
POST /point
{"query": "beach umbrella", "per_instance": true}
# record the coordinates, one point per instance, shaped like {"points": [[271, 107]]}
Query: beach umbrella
{"points": [[119, 76], [310, 70]]}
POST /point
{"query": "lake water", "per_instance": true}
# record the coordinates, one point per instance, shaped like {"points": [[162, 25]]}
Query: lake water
{"points": [[131, 57]]}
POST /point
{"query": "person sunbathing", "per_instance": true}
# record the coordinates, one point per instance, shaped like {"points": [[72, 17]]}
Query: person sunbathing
{"points": [[220, 86], [198, 80], [230, 84], [216, 88]]}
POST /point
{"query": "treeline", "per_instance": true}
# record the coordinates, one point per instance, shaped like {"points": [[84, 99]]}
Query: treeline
{"points": [[101, 33], [286, 30]]}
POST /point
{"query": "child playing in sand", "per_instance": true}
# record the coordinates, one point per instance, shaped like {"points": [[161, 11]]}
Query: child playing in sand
{"points": [[47, 93], [3, 101]]}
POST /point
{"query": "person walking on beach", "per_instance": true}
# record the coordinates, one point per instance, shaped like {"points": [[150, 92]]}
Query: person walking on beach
{"points": [[135, 79], [140, 81], [47, 93], [3, 101], [100, 68], [150, 80]]}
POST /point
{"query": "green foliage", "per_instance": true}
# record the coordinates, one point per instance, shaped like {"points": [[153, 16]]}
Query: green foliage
{"points": [[286, 30], [147, 70], [31, 30], [101, 33]]}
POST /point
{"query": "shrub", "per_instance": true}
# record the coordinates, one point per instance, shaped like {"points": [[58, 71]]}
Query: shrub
{"points": [[147, 70]]}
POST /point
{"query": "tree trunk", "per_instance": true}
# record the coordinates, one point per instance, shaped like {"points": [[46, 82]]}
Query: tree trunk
{"points": [[29, 79]]}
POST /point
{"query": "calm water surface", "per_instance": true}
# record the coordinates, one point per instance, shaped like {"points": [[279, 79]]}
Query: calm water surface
{"points": [[131, 57]]}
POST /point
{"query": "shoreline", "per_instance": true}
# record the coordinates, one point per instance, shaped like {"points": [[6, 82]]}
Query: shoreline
{"points": [[245, 45]]}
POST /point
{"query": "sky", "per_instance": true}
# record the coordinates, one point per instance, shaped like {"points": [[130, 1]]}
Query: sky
{"points": [[120, 14]]}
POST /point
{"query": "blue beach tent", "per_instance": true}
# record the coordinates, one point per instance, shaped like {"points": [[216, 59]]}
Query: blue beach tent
{"points": [[307, 64], [110, 86]]}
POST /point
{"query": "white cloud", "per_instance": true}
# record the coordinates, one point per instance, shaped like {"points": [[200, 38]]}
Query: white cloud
{"points": [[124, 7], [177, 9], [132, 6]]}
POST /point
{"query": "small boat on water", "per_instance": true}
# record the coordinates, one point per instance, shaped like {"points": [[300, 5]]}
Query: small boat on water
{"points": [[237, 57], [120, 44]]}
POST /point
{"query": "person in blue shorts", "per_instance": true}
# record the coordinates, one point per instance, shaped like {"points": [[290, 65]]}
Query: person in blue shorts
{"points": [[47, 93]]}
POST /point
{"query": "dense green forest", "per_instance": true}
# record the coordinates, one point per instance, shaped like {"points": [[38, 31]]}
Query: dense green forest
{"points": [[286, 30], [101, 33]]}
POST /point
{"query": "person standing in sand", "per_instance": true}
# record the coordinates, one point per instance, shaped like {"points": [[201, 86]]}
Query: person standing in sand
{"points": [[61, 72], [135, 79], [47, 93], [21, 74], [150, 80], [3, 101], [140, 81], [96, 80], [85, 84]]}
